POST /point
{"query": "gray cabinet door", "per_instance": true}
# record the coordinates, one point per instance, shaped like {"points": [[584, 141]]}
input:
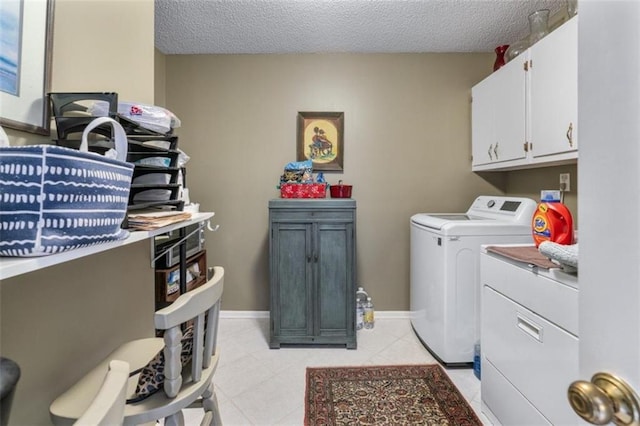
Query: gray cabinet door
{"points": [[291, 269], [334, 280]]}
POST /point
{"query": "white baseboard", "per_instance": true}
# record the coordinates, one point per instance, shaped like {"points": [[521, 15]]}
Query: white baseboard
{"points": [[265, 314], [393, 314], [244, 314]]}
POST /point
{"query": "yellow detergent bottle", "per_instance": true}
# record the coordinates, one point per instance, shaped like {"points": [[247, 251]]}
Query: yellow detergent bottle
{"points": [[552, 222]]}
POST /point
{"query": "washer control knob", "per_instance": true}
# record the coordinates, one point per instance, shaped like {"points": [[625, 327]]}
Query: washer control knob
{"points": [[491, 203]]}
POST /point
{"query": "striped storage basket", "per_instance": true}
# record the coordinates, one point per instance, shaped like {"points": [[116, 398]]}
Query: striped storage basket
{"points": [[54, 199]]}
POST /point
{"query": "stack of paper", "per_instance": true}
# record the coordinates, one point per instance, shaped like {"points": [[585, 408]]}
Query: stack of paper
{"points": [[156, 219]]}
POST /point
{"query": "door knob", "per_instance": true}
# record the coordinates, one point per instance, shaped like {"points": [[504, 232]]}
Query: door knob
{"points": [[605, 399]]}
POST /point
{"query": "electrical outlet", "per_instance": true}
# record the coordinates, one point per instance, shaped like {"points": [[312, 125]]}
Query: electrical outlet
{"points": [[565, 182]]}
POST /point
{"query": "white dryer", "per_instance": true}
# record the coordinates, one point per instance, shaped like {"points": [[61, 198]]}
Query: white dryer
{"points": [[445, 271]]}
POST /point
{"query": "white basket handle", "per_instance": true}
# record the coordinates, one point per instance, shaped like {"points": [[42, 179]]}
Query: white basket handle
{"points": [[119, 136]]}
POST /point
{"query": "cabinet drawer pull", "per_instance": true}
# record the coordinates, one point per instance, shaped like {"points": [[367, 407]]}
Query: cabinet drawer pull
{"points": [[495, 150], [529, 327], [570, 134], [490, 148]]}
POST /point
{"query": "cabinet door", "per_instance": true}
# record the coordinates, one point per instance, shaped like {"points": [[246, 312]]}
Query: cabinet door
{"points": [[291, 267], [483, 124], [499, 117], [554, 92], [510, 104], [335, 287]]}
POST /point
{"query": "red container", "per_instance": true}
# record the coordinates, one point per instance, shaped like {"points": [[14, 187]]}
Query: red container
{"points": [[552, 222], [340, 191], [303, 190]]}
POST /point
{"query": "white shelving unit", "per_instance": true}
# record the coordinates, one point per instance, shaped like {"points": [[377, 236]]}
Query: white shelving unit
{"points": [[14, 266]]}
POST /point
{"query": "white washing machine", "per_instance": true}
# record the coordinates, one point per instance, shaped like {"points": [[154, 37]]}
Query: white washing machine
{"points": [[445, 271]]}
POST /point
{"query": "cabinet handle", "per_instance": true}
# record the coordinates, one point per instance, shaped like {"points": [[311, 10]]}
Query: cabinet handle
{"points": [[529, 327], [570, 135], [490, 148], [308, 258], [495, 150], [315, 257]]}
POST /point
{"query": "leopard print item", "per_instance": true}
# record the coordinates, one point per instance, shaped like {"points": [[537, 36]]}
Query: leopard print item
{"points": [[291, 176], [151, 377]]}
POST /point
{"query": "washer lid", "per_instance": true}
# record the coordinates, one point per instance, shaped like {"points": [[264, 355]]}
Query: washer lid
{"points": [[451, 216], [447, 220], [467, 225], [486, 210]]}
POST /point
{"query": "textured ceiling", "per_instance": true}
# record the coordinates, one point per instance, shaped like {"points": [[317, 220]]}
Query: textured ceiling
{"points": [[323, 26]]}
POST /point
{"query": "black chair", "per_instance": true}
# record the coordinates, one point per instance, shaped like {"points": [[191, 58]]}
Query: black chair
{"points": [[9, 376]]}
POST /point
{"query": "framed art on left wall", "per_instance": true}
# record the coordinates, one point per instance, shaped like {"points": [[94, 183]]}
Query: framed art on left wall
{"points": [[321, 139], [26, 42]]}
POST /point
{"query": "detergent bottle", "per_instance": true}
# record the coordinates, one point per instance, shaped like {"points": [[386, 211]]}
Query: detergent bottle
{"points": [[552, 222]]}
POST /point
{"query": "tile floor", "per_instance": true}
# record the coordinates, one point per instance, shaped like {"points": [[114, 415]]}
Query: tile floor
{"points": [[256, 385]]}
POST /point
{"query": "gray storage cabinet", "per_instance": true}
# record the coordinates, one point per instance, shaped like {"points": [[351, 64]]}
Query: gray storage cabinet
{"points": [[312, 271]]}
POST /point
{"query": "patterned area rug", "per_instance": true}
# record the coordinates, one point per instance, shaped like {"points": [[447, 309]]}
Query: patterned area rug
{"points": [[384, 395]]}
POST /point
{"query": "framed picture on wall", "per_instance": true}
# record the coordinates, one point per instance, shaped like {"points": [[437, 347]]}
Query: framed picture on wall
{"points": [[26, 43], [321, 139]]}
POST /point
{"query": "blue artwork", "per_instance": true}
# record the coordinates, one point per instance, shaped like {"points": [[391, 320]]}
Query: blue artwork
{"points": [[10, 40]]}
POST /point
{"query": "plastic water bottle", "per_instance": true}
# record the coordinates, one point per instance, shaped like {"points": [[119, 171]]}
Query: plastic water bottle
{"points": [[476, 359], [368, 314], [361, 299], [359, 315]]}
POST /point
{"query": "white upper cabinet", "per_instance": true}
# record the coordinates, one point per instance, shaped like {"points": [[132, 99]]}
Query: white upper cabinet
{"points": [[525, 114], [483, 124], [554, 93], [498, 110]]}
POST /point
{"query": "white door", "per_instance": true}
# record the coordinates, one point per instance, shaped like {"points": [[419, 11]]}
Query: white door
{"points": [[609, 190]]}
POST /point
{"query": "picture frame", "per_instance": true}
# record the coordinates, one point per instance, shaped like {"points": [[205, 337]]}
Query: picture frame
{"points": [[321, 139], [26, 44]]}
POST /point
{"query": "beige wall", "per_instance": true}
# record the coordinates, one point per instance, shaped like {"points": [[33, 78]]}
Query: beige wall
{"points": [[407, 138], [105, 46], [407, 150], [59, 321], [160, 78], [528, 183]]}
